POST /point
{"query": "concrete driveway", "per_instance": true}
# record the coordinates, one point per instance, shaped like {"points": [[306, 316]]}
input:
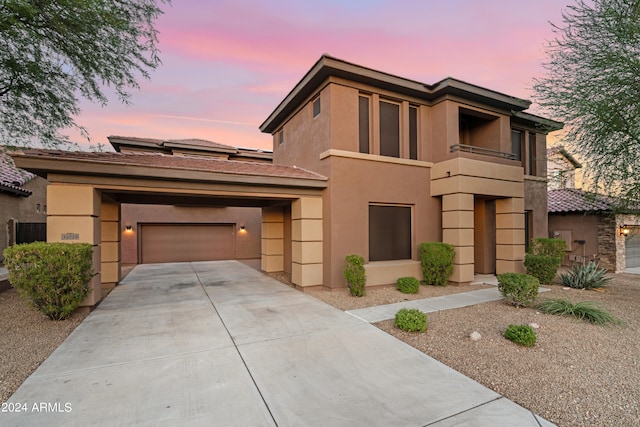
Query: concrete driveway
{"points": [[220, 344]]}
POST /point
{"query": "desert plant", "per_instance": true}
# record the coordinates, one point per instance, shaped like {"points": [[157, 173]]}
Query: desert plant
{"points": [[53, 277], [543, 267], [585, 276], [548, 247], [355, 275], [411, 320], [518, 289], [437, 262], [586, 310], [521, 334], [408, 285]]}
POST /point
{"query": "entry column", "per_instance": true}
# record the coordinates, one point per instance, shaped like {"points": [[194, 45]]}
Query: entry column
{"points": [[110, 244], [510, 235], [457, 230], [306, 241], [73, 216], [272, 240]]}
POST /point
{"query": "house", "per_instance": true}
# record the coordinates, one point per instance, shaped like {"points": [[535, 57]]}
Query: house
{"points": [[409, 162], [23, 204], [591, 225], [363, 162]]}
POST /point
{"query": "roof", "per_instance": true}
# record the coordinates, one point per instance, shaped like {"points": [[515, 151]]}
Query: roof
{"points": [[559, 149], [573, 200], [13, 178], [158, 165], [328, 66]]}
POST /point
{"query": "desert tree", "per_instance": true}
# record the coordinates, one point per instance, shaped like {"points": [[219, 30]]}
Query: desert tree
{"points": [[55, 52], [592, 84]]}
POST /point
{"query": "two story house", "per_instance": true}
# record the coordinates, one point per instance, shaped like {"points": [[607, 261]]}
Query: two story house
{"points": [[409, 162]]}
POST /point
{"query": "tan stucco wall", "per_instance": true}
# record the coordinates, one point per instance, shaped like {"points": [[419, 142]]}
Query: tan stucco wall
{"points": [[580, 227], [247, 243], [535, 200], [22, 209]]}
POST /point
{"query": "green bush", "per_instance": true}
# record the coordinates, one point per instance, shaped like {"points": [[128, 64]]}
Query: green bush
{"points": [[355, 275], [521, 334], [53, 277], [585, 276], [518, 289], [549, 247], [543, 267], [437, 262], [408, 285], [587, 310], [411, 320]]}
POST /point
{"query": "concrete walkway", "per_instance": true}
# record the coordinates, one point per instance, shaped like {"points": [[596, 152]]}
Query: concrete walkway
{"points": [[218, 343]]}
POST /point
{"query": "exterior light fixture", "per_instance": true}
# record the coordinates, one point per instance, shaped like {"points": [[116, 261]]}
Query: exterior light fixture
{"points": [[624, 230], [242, 228], [128, 228]]}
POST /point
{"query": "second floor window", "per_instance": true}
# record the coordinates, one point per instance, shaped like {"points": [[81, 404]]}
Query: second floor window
{"points": [[389, 129]]}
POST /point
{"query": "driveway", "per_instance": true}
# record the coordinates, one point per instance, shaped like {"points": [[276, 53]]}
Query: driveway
{"points": [[218, 343]]}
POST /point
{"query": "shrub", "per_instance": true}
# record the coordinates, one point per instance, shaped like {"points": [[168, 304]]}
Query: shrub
{"points": [[587, 310], [585, 276], [53, 277], [521, 334], [411, 320], [548, 247], [408, 285], [518, 289], [437, 262], [542, 267], [355, 275]]}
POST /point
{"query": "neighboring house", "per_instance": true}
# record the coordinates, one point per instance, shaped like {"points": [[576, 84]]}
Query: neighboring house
{"points": [[409, 162], [23, 204], [175, 233], [590, 224]]}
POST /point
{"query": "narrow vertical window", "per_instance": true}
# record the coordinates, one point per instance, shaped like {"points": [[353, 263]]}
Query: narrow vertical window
{"points": [[363, 113], [281, 136], [316, 107], [389, 129], [413, 133], [531, 154], [516, 143]]}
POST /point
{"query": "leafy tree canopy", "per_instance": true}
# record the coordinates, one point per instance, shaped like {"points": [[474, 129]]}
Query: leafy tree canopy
{"points": [[52, 52], [592, 83]]}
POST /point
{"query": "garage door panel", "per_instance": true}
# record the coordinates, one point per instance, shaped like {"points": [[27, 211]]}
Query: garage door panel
{"points": [[632, 248], [186, 242]]}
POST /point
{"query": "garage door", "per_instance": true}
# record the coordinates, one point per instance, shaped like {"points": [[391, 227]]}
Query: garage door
{"points": [[186, 242], [632, 248]]}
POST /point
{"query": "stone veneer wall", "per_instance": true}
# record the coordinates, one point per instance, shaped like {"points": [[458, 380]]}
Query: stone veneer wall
{"points": [[607, 251]]}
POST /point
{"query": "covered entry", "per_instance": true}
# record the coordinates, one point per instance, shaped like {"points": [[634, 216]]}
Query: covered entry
{"points": [[86, 192]]}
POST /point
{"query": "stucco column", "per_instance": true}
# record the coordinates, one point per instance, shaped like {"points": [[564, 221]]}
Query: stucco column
{"points": [[306, 241], [73, 216], [510, 235], [272, 240], [110, 244], [457, 230]]}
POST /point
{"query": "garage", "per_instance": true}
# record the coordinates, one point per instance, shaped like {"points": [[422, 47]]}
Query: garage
{"points": [[632, 248], [186, 242]]}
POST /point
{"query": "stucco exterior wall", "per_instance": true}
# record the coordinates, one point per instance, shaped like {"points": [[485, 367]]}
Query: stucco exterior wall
{"points": [[22, 209], [581, 227], [247, 244], [535, 201]]}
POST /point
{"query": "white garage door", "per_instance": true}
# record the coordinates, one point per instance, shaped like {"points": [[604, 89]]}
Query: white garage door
{"points": [[632, 248], [186, 242]]}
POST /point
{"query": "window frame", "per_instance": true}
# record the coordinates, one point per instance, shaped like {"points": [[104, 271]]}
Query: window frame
{"points": [[405, 248], [396, 147], [316, 102]]}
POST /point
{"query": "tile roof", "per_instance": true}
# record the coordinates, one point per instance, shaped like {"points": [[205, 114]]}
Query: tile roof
{"points": [[570, 200], [13, 178], [164, 161]]}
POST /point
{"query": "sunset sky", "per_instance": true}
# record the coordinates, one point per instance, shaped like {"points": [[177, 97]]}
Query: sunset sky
{"points": [[228, 63]]}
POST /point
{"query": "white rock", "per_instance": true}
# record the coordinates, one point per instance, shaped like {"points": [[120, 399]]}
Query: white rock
{"points": [[534, 325], [475, 336]]}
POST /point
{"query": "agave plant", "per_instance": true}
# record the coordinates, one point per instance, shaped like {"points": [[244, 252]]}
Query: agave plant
{"points": [[585, 276]]}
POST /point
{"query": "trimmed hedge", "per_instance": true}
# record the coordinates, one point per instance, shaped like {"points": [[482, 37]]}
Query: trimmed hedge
{"points": [[355, 275], [437, 262], [411, 320], [543, 267], [53, 277], [549, 247], [408, 285], [518, 289]]}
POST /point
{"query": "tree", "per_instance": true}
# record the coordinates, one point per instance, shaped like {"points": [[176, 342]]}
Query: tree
{"points": [[52, 52], [592, 83]]}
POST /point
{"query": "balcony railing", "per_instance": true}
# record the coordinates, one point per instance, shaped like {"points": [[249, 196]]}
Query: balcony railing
{"points": [[482, 151]]}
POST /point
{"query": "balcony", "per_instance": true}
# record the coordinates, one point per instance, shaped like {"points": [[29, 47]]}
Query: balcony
{"points": [[482, 151]]}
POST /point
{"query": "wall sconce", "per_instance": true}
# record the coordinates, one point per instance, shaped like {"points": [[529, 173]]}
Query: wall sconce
{"points": [[243, 229], [624, 230], [128, 229]]}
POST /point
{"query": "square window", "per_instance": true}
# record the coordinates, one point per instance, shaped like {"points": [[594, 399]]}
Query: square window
{"points": [[389, 232]]}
